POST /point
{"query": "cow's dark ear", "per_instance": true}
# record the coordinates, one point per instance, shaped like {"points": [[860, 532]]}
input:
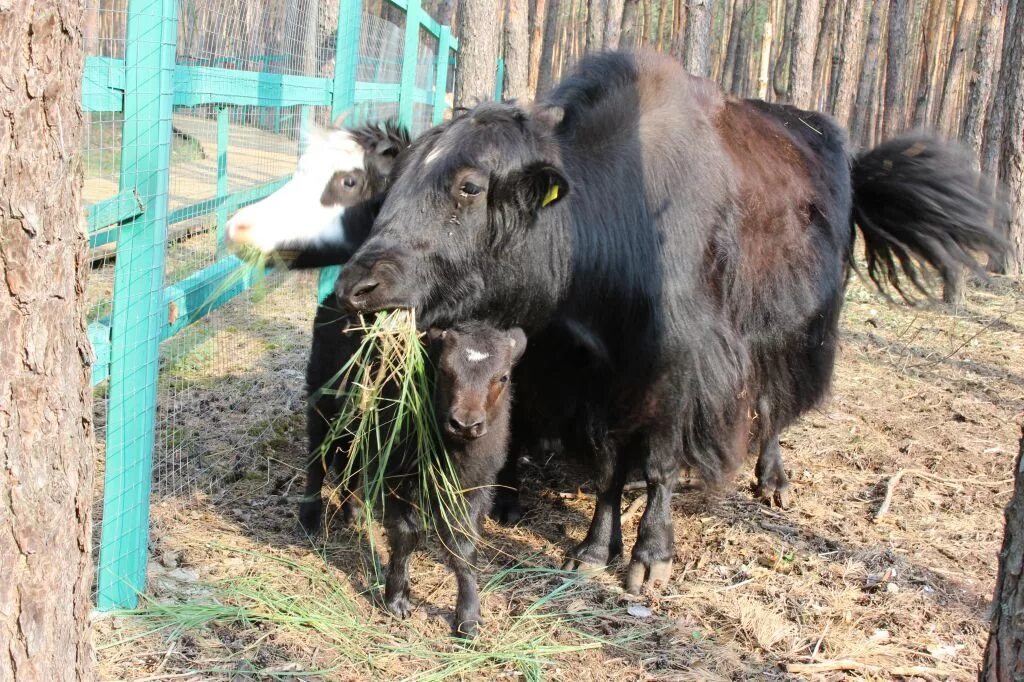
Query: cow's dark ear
{"points": [[542, 185], [517, 339]]}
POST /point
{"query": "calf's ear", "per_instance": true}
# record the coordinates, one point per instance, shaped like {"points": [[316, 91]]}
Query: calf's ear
{"points": [[517, 339]]}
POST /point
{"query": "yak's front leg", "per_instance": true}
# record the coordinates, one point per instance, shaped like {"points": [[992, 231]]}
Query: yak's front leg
{"points": [[655, 542], [403, 529], [604, 538], [772, 482]]}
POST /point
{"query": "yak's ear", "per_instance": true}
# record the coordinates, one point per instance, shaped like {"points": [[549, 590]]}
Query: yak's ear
{"points": [[549, 115], [541, 185]]}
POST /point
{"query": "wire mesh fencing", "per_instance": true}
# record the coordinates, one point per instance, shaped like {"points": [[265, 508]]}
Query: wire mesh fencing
{"points": [[194, 109]]}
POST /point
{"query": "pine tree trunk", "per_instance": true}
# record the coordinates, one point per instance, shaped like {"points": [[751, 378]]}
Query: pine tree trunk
{"points": [[740, 70], [597, 15], [949, 104], [860, 125], [895, 62], [629, 35], [1004, 653], [1011, 158], [853, 43], [801, 65], [46, 445], [986, 66], [478, 52], [517, 52], [545, 70], [537, 18], [823, 54], [729, 65], [698, 38], [929, 60], [613, 25], [646, 34], [782, 81]]}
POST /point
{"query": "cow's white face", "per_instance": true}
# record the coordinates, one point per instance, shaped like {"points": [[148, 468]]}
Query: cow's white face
{"points": [[308, 210]]}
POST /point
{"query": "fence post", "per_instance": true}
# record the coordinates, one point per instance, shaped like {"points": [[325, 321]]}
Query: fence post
{"points": [[444, 46], [410, 60], [138, 316], [499, 79], [343, 95], [223, 127]]}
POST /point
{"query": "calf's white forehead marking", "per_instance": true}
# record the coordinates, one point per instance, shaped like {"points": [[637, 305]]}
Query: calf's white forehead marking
{"points": [[473, 355], [434, 153]]}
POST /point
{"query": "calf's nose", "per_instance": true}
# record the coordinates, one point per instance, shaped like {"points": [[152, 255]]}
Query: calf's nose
{"points": [[238, 230], [466, 425]]}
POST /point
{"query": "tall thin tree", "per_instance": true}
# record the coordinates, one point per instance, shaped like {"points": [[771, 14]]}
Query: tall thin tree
{"points": [[801, 66], [46, 449], [478, 51], [894, 120], [861, 119], [698, 38], [517, 51]]}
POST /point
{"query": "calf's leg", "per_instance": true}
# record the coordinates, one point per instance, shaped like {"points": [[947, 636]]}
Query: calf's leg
{"points": [[506, 508], [311, 507], [403, 529], [460, 544]]}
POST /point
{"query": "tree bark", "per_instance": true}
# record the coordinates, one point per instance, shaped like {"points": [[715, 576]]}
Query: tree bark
{"points": [[46, 447], [613, 24], [782, 83], [537, 17], [597, 15], [823, 53], [478, 52], [545, 78], [1004, 653], [1011, 158], [801, 65], [766, 57], [853, 42], [859, 127], [517, 52], [698, 38], [949, 103], [895, 117], [729, 64], [630, 33], [986, 64], [645, 35], [929, 60]]}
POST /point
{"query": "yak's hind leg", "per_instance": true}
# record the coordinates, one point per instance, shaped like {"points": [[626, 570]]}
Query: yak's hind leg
{"points": [[403, 528], [507, 509], [772, 482], [655, 541]]}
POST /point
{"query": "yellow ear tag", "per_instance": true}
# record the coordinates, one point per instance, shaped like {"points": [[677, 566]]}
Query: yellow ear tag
{"points": [[551, 196]]}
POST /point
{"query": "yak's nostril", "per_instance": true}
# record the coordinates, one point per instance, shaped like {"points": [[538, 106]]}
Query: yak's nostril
{"points": [[365, 288], [455, 425]]}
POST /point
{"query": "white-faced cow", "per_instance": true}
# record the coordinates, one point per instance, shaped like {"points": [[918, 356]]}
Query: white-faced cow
{"points": [[705, 241], [322, 214], [319, 217]]}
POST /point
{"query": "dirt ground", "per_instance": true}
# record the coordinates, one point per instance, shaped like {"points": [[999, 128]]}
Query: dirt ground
{"points": [[929, 399]]}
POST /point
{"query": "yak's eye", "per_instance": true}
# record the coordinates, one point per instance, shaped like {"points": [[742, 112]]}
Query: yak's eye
{"points": [[470, 189], [503, 379], [349, 181]]}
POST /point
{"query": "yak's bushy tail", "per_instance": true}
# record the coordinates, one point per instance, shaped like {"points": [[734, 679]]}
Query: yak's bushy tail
{"points": [[919, 202]]}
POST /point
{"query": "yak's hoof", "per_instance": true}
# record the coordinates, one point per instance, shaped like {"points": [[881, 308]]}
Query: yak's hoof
{"points": [[310, 514], [773, 489], [590, 557], [466, 629], [506, 509], [351, 513], [399, 605], [655, 575]]}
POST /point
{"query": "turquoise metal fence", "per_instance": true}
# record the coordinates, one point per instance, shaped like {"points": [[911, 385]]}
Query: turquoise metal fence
{"points": [[166, 100]]}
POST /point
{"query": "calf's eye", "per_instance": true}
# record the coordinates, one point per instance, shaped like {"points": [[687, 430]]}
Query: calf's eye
{"points": [[349, 181], [503, 379]]}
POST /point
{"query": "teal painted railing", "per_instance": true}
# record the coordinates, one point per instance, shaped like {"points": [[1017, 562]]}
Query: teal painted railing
{"points": [[145, 86]]}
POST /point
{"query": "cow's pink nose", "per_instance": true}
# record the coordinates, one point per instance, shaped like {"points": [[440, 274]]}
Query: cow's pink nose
{"points": [[239, 231]]}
